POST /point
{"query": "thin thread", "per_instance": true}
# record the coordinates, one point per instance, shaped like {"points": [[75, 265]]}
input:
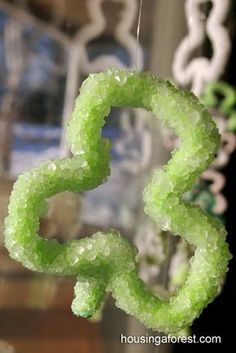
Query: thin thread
{"points": [[138, 33]]}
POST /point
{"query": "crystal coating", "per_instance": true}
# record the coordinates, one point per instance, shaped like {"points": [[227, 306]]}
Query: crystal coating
{"points": [[106, 262]]}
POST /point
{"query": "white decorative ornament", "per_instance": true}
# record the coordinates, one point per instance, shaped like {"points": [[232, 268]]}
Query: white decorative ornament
{"points": [[197, 72]]}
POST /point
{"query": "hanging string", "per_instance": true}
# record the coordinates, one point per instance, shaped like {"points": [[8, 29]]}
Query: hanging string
{"points": [[138, 33]]}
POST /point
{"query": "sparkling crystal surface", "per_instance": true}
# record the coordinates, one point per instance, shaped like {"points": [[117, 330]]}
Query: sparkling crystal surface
{"points": [[106, 262]]}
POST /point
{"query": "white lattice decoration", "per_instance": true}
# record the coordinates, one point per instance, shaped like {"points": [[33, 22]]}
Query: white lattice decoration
{"points": [[196, 72]]}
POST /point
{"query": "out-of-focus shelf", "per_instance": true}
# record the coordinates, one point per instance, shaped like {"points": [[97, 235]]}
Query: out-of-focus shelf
{"points": [[35, 313], [35, 293], [49, 331]]}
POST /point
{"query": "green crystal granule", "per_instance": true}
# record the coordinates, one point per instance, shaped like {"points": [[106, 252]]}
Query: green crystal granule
{"points": [[106, 262]]}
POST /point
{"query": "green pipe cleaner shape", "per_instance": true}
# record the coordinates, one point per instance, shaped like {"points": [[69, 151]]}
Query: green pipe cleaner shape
{"points": [[106, 262]]}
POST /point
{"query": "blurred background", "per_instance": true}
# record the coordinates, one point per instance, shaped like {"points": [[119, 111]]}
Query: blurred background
{"points": [[47, 48]]}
